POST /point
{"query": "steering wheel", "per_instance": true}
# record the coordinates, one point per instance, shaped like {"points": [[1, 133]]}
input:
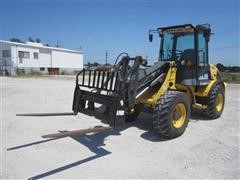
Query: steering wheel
{"points": [[176, 52]]}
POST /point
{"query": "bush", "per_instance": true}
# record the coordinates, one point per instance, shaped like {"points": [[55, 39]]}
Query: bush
{"points": [[32, 73], [231, 77]]}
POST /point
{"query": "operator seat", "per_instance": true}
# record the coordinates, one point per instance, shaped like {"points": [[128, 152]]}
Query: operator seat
{"points": [[186, 72], [188, 55]]}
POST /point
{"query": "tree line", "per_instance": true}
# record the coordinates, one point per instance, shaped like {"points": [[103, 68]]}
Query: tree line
{"points": [[223, 68]]}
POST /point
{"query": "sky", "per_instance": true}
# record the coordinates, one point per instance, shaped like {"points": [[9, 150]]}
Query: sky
{"points": [[120, 26]]}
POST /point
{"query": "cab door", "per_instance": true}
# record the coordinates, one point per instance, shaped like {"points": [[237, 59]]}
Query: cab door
{"points": [[187, 61], [203, 66]]}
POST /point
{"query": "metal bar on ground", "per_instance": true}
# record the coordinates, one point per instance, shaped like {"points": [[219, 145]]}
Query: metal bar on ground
{"points": [[76, 132], [48, 114]]}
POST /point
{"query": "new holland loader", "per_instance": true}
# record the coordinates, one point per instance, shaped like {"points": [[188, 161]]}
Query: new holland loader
{"points": [[180, 81]]}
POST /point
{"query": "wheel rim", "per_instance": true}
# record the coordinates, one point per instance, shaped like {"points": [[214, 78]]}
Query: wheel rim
{"points": [[179, 115], [219, 103]]}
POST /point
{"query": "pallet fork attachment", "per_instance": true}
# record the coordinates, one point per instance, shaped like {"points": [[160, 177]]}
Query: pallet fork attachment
{"points": [[48, 114], [96, 87], [63, 134], [104, 88]]}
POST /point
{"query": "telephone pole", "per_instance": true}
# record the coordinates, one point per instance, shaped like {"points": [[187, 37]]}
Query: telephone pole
{"points": [[106, 56]]}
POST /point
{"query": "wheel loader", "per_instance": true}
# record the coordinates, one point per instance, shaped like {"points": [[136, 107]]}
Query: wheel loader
{"points": [[180, 81]]}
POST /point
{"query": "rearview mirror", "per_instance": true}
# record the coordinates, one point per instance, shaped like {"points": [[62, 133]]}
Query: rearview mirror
{"points": [[150, 37]]}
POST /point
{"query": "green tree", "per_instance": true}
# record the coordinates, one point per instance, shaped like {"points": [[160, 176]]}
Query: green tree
{"points": [[16, 40], [220, 67], [95, 64], [38, 40], [31, 39]]}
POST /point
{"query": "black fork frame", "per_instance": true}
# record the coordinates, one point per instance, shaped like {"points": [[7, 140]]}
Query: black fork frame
{"points": [[118, 84], [96, 81]]}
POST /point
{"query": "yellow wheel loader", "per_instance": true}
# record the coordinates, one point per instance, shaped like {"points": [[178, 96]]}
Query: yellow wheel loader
{"points": [[181, 80]]}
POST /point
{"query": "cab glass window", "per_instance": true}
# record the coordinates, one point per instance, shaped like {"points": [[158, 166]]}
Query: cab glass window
{"points": [[202, 49]]}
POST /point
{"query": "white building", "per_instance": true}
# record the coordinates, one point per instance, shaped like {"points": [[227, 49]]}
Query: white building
{"points": [[31, 56]]}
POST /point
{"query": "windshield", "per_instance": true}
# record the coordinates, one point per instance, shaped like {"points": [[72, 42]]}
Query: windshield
{"points": [[173, 44]]}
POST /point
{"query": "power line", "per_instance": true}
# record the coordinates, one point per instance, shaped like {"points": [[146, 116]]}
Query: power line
{"points": [[223, 48], [106, 56]]}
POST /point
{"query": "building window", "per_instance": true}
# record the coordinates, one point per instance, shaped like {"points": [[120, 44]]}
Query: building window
{"points": [[42, 69], [6, 53], [35, 55], [23, 54]]}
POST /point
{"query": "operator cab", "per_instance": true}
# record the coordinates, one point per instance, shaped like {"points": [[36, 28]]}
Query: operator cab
{"points": [[187, 45]]}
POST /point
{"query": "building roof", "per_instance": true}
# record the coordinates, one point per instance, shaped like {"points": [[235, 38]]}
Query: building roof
{"points": [[39, 45]]}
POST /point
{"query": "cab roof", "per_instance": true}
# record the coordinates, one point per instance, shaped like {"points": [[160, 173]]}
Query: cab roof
{"points": [[204, 27]]}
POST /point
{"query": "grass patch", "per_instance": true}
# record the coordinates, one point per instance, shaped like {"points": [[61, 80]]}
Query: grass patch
{"points": [[231, 77], [63, 72], [29, 74]]}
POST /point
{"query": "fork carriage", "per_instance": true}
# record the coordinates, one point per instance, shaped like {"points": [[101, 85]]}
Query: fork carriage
{"points": [[96, 87]]}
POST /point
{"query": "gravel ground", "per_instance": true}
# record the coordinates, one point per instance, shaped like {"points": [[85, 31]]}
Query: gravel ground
{"points": [[207, 149]]}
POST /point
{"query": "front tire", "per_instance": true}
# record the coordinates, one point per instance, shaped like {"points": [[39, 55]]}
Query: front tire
{"points": [[171, 114], [216, 102]]}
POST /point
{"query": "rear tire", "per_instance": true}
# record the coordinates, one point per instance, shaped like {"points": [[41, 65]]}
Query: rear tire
{"points": [[216, 102], [171, 114]]}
